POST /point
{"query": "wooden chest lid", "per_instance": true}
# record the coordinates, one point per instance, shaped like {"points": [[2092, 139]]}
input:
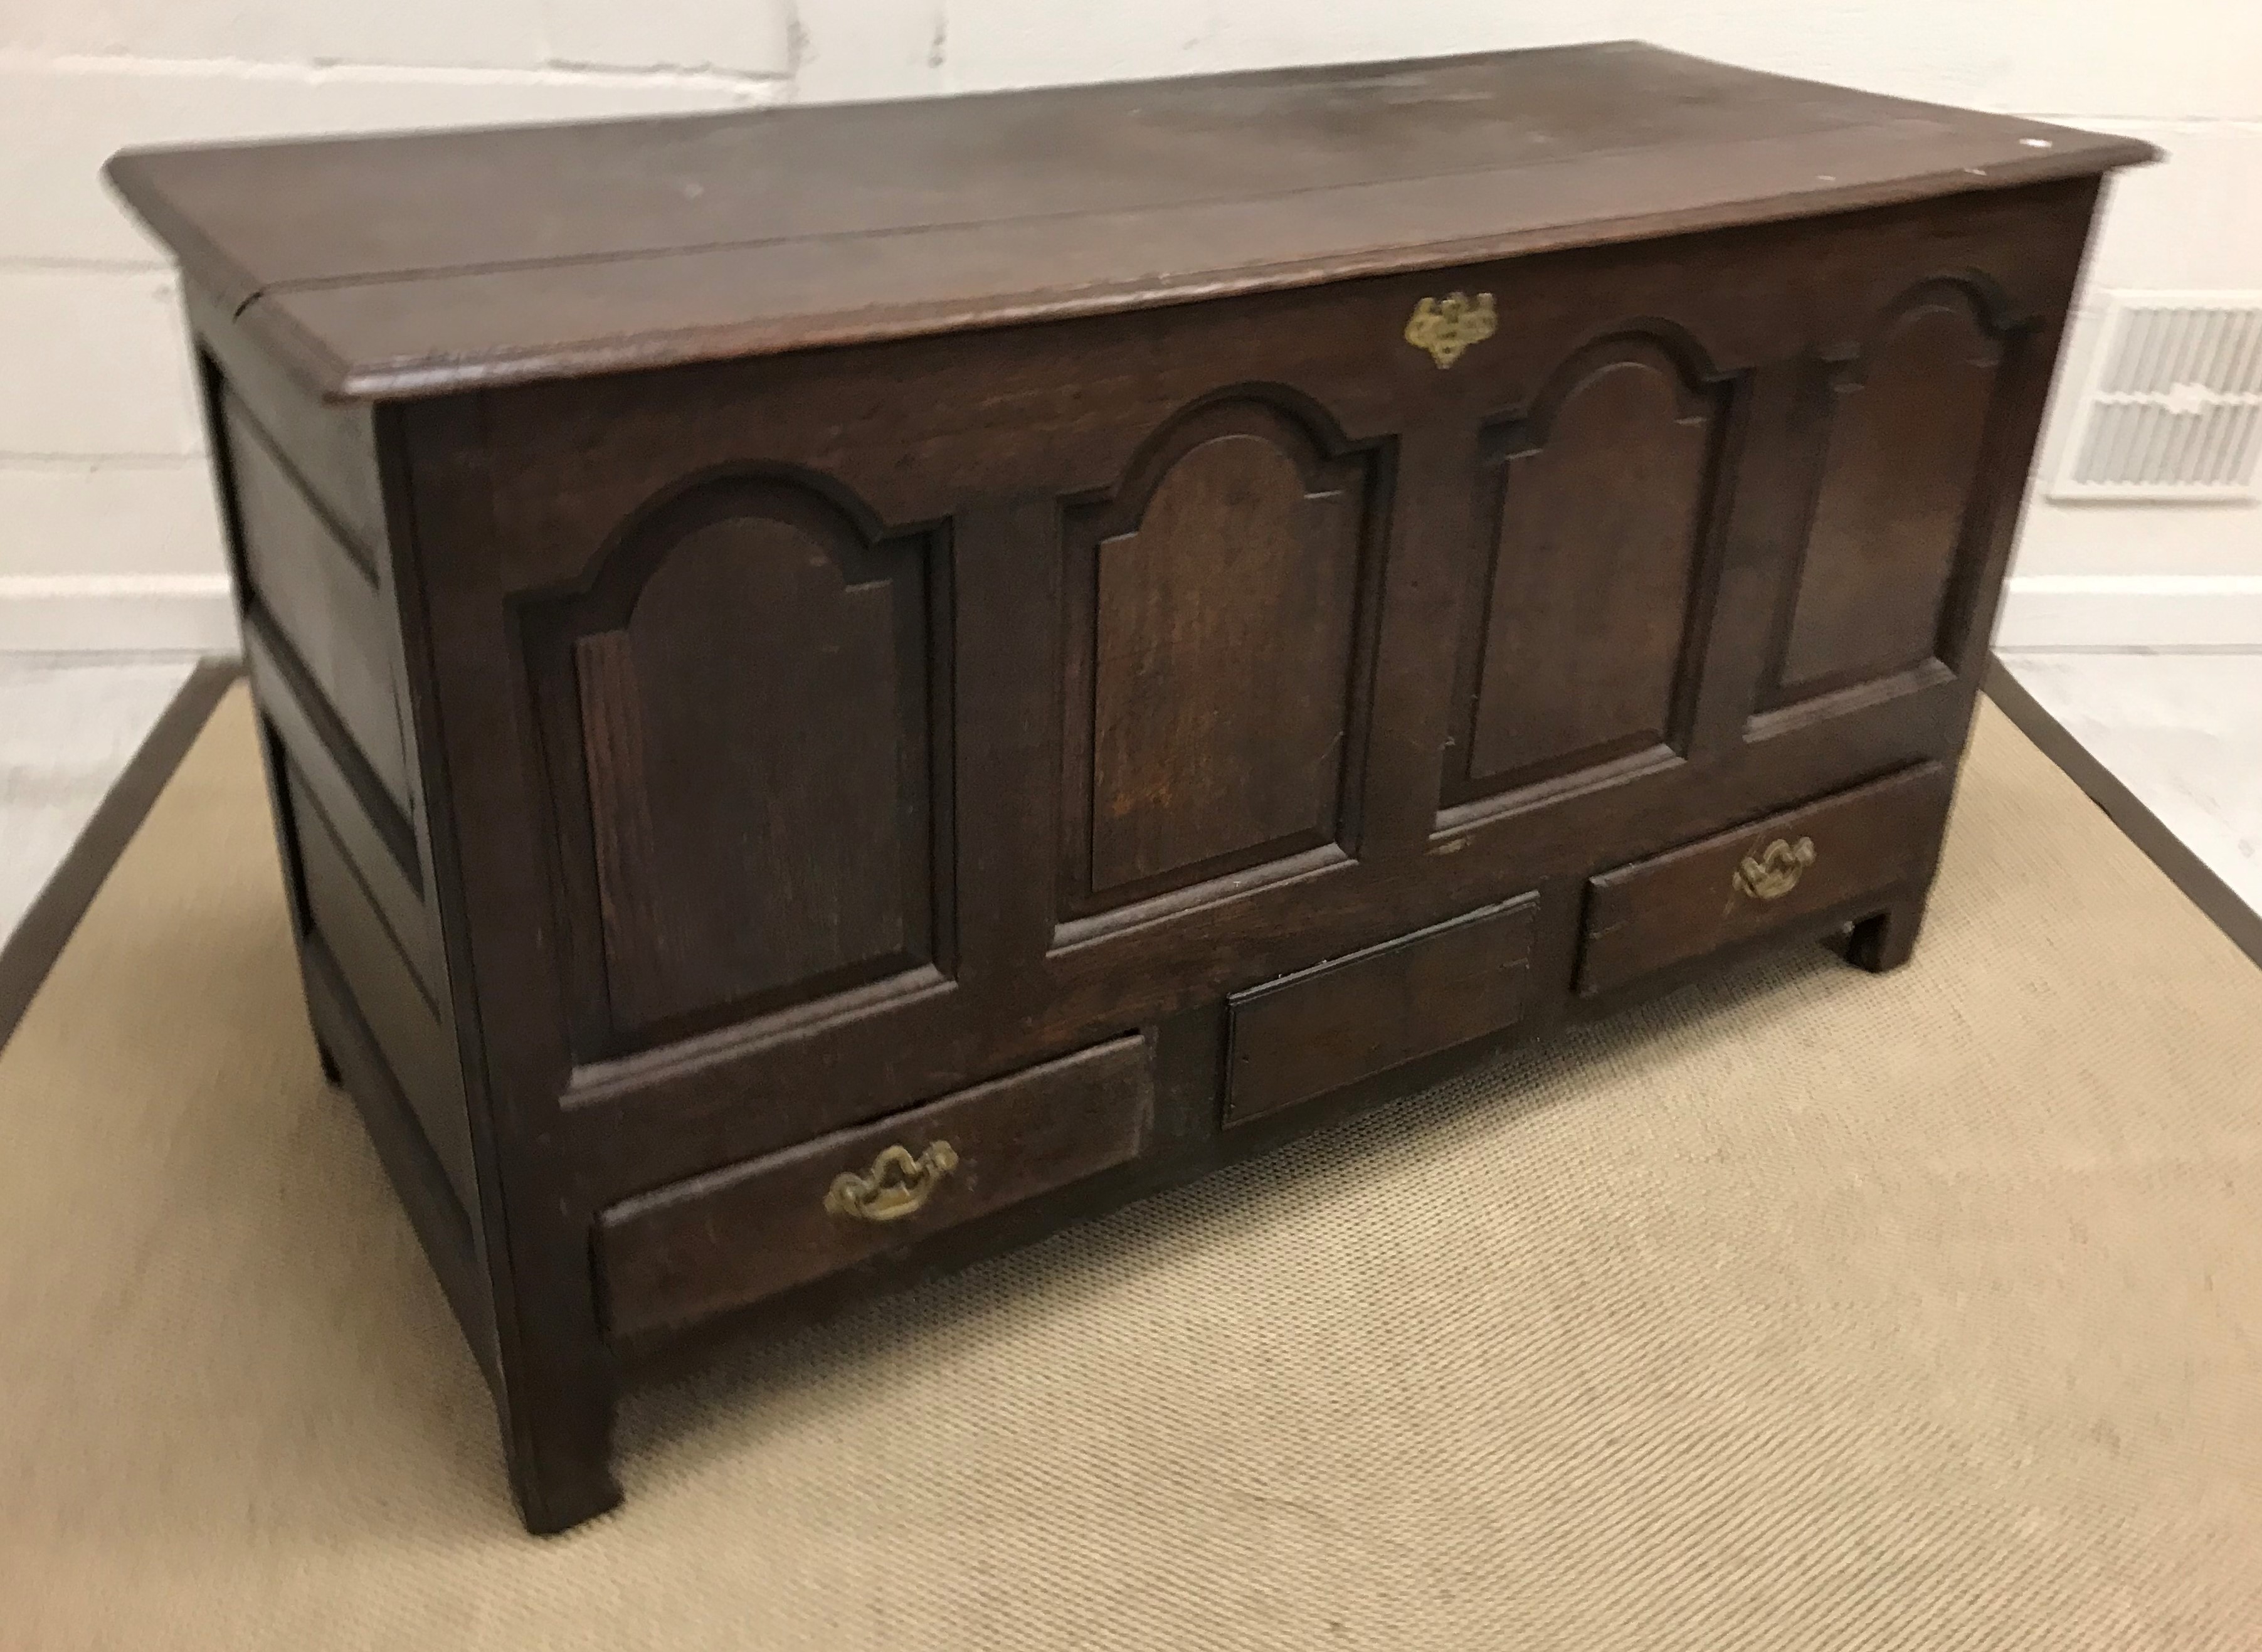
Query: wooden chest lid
{"points": [[422, 264]]}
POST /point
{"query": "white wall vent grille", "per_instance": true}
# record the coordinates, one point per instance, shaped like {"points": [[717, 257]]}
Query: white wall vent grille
{"points": [[2173, 409]]}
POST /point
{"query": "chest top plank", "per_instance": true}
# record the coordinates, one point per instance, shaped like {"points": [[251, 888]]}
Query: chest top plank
{"points": [[424, 264]]}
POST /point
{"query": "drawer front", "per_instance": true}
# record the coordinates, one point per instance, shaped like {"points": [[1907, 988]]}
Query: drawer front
{"points": [[1349, 1018], [739, 1235], [1768, 875]]}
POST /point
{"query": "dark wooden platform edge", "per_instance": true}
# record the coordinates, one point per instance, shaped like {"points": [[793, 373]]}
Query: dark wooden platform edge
{"points": [[2199, 882], [38, 941]]}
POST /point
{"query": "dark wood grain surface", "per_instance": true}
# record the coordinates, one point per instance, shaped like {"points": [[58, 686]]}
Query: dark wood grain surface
{"points": [[1907, 427], [1134, 680], [323, 597], [411, 264], [1699, 898], [789, 856], [750, 1232], [1577, 651], [1221, 595], [1319, 1029]]}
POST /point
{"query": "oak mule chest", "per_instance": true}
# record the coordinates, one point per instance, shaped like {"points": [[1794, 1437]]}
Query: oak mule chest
{"points": [[845, 686]]}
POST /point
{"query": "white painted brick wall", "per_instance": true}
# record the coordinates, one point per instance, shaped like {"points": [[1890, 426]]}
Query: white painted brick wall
{"points": [[100, 351], [111, 518], [100, 468], [61, 119], [747, 36]]}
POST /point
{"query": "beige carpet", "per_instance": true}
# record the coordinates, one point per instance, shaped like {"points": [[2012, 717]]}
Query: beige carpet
{"points": [[1810, 1310]]}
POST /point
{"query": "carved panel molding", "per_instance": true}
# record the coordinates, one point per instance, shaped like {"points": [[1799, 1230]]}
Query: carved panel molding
{"points": [[1215, 625], [1890, 532], [1592, 570], [808, 852]]}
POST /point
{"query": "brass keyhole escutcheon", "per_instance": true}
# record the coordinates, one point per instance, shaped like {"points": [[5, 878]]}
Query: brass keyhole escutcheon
{"points": [[1446, 327], [1775, 871], [896, 1186]]}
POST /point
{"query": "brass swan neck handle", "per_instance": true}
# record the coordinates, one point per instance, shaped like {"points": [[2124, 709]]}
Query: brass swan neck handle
{"points": [[896, 1186], [1775, 871]]}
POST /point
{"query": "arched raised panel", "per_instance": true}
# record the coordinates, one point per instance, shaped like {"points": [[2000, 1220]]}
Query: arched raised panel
{"points": [[1213, 616], [1907, 435], [1594, 508], [752, 683]]}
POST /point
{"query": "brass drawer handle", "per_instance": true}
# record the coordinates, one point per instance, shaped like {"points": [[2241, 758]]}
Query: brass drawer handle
{"points": [[1446, 327], [1775, 871], [896, 1186]]}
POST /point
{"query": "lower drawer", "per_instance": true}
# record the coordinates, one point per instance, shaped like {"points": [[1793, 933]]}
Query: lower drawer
{"points": [[1353, 1017], [1769, 875], [736, 1236]]}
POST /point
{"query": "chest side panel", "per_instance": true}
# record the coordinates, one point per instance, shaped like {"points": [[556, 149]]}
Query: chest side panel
{"points": [[322, 558]]}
